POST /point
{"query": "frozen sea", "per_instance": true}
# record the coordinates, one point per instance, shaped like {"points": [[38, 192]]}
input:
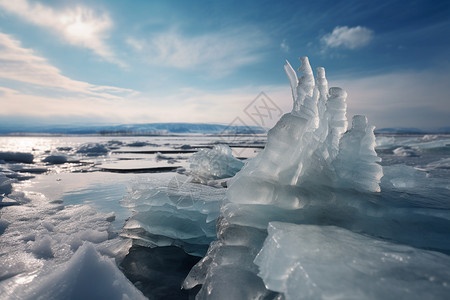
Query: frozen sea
{"points": [[72, 211], [58, 192]]}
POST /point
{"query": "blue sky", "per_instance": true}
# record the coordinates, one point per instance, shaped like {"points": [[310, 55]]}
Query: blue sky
{"points": [[205, 61]]}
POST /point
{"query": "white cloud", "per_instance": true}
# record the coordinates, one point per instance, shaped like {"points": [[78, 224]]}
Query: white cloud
{"points": [[183, 106], [284, 46], [22, 65], [218, 53], [419, 99], [350, 38], [35, 88], [80, 26]]}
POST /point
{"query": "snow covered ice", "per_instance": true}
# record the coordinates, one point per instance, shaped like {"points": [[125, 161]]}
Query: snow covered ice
{"points": [[38, 241], [87, 275]]}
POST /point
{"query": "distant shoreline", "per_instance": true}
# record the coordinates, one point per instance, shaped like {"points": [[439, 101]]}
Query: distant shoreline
{"points": [[173, 129]]}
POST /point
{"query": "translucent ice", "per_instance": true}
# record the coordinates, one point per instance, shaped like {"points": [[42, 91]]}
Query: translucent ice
{"points": [[355, 164], [323, 262], [215, 163], [173, 212], [312, 171]]}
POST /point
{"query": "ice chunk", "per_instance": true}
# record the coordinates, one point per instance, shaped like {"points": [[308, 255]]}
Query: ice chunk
{"points": [[141, 144], [356, 164], [17, 157], [93, 150], [404, 151], [323, 262], [87, 275], [429, 137], [55, 159], [174, 212], [215, 163], [117, 248]]}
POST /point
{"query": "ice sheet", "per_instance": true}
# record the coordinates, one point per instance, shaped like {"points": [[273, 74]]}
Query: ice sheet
{"points": [[323, 262]]}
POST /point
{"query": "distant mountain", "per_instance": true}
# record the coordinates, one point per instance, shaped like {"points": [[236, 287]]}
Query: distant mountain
{"points": [[167, 128], [131, 129], [399, 130], [412, 130], [443, 130]]}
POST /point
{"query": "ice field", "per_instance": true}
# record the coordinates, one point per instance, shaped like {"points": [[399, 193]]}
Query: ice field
{"points": [[318, 208]]}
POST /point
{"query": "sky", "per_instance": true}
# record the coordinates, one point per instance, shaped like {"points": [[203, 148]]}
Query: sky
{"points": [[113, 62]]}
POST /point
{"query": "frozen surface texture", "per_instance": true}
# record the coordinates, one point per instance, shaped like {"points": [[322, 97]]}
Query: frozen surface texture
{"points": [[312, 171], [173, 212], [87, 275], [43, 257], [215, 163], [324, 262]]}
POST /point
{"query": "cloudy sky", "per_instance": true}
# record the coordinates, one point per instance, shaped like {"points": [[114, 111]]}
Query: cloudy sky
{"points": [[111, 61]]}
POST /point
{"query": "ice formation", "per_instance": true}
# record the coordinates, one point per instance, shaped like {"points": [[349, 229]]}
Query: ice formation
{"points": [[176, 212], [312, 171], [215, 163]]}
